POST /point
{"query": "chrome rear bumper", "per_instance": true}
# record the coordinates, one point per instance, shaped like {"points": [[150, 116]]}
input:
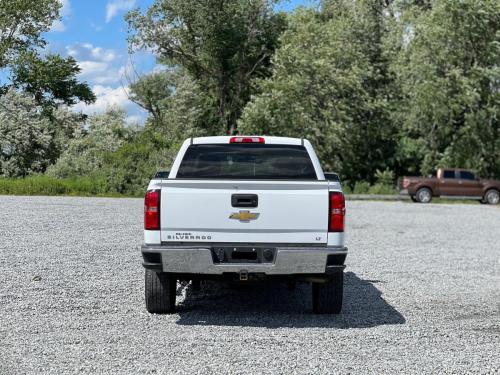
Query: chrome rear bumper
{"points": [[199, 260]]}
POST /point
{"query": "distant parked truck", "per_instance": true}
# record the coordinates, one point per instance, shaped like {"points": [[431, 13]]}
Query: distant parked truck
{"points": [[451, 183]]}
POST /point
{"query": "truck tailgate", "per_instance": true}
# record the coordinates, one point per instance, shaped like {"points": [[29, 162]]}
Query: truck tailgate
{"points": [[205, 211]]}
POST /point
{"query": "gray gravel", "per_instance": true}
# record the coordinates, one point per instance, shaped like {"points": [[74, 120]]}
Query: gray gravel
{"points": [[422, 296]]}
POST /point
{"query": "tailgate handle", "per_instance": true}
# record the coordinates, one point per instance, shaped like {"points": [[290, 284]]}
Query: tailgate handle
{"points": [[244, 200]]}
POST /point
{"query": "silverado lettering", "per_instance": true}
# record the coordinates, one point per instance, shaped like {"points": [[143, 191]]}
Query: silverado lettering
{"points": [[187, 237]]}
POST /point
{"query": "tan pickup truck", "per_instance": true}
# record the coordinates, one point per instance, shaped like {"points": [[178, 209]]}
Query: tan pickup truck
{"points": [[451, 183]]}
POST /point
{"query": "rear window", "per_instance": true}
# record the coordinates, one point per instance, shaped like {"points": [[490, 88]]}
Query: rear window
{"points": [[248, 161], [449, 174], [465, 175]]}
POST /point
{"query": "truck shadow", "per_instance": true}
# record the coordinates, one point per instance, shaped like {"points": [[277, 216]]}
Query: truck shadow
{"points": [[272, 305]]}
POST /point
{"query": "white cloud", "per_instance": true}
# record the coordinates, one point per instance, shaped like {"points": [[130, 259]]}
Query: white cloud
{"points": [[106, 97], [115, 6], [134, 119], [58, 26], [91, 69], [64, 12], [102, 73], [87, 51], [106, 72], [66, 8], [96, 27], [99, 66]]}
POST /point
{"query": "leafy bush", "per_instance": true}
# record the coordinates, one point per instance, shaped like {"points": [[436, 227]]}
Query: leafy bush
{"points": [[361, 187], [384, 186], [129, 169], [25, 136], [123, 158], [385, 177], [382, 189], [46, 185], [85, 153], [29, 140]]}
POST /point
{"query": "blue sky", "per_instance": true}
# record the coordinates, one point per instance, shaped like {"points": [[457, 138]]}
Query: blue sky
{"points": [[95, 34]]}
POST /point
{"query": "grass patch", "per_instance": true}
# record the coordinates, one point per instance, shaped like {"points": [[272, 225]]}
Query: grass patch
{"points": [[45, 185], [375, 189]]}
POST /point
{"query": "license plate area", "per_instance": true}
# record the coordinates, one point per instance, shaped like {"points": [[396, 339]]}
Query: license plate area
{"points": [[244, 254]]}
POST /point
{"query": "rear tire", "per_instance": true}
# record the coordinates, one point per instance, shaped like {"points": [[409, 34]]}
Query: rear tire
{"points": [[327, 297], [160, 292], [492, 196], [413, 199], [424, 195]]}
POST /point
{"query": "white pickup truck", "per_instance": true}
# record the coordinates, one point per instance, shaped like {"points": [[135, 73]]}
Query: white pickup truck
{"points": [[244, 208]]}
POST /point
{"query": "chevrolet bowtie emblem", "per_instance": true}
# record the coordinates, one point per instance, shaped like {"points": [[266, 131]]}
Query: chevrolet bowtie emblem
{"points": [[244, 216]]}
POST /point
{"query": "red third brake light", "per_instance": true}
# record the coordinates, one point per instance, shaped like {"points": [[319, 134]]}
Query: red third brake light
{"points": [[336, 212], [152, 210], [247, 140]]}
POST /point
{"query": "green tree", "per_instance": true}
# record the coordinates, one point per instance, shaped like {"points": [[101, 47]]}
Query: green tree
{"points": [[65, 126], [177, 106], [130, 168], [449, 72], [53, 85], [22, 23], [331, 84], [25, 136], [51, 80], [152, 92], [86, 153], [223, 45]]}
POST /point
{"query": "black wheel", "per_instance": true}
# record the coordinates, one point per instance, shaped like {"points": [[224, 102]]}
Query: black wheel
{"points": [[424, 195], [327, 296], [413, 199], [160, 292], [492, 196]]}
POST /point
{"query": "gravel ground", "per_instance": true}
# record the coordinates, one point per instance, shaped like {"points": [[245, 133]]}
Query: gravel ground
{"points": [[422, 295]]}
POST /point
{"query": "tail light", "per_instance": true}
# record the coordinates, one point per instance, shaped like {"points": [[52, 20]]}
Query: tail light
{"points": [[406, 183], [247, 140], [152, 210], [337, 212]]}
